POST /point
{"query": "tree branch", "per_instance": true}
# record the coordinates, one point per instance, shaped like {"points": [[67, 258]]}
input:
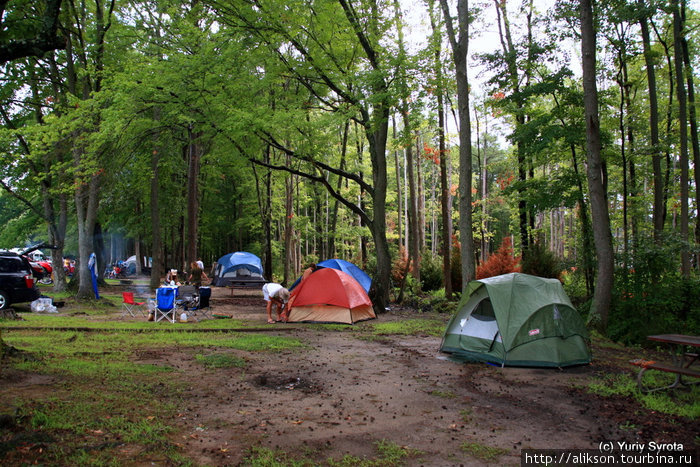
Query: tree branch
{"points": [[268, 138], [316, 178], [45, 40]]}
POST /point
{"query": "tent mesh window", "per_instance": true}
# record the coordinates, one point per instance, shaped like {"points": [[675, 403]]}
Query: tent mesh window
{"points": [[482, 325], [484, 311]]}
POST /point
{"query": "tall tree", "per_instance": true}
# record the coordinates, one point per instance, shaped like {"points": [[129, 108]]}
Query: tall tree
{"points": [[48, 41], [683, 135], [445, 192], [412, 160], [655, 148], [513, 78], [692, 115], [599, 207], [459, 40], [194, 152]]}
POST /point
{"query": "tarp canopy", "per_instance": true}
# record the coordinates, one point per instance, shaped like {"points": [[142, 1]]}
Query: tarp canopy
{"points": [[517, 319], [330, 296], [349, 268], [240, 266]]}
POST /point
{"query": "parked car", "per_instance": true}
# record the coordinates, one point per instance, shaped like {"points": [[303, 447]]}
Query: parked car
{"points": [[16, 280], [41, 265]]}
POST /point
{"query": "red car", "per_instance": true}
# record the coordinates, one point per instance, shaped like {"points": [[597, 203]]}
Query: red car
{"points": [[42, 269]]}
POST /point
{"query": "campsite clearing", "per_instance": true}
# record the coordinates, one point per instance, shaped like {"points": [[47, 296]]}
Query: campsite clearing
{"points": [[347, 393]]}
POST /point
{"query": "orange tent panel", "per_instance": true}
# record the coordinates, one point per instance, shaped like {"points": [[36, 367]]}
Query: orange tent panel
{"points": [[330, 295]]}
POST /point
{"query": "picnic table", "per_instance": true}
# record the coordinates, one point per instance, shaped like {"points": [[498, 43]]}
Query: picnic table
{"points": [[245, 284], [682, 361]]}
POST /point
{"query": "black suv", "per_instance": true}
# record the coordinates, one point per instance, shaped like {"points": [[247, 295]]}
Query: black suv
{"points": [[16, 280]]}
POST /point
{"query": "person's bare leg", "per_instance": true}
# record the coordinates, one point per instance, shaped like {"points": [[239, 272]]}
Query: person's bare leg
{"points": [[269, 312], [279, 311]]}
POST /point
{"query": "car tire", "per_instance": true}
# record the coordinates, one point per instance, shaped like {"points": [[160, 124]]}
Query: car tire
{"points": [[4, 300]]}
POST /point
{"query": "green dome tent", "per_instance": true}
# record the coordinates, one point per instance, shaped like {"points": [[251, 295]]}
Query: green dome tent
{"points": [[518, 320]]}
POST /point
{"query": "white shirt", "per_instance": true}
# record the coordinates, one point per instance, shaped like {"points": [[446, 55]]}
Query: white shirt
{"points": [[270, 290]]}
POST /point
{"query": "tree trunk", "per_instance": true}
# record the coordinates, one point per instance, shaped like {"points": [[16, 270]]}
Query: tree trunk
{"points": [[682, 125], [86, 202], [689, 74], [420, 177], [336, 204], [460, 49], [623, 156], [669, 123], [399, 191], [288, 226], [377, 146], [445, 194], [658, 209], [510, 56], [413, 233], [194, 156], [156, 235], [599, 208]]}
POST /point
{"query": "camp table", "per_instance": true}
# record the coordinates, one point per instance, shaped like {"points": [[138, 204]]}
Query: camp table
{"points": [[682, 360], [245, 284]]}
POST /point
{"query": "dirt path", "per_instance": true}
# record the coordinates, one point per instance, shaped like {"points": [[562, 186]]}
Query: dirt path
{"points": [[345, 393]]}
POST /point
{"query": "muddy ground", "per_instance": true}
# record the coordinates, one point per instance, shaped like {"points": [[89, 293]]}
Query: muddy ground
{"points": [[349, 390]]}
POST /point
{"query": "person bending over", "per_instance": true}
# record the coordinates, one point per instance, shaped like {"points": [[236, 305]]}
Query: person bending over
{"points": [[275, 293]]}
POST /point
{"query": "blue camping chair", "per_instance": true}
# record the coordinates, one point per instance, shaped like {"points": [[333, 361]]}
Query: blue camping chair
{"points": [[165, 304]]}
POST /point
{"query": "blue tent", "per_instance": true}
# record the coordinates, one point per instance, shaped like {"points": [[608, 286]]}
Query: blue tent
{"points": [[347, 267], [239, 268]]}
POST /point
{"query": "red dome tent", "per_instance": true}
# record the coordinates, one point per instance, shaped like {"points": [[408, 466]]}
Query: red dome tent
{"points": [[330, 296]]}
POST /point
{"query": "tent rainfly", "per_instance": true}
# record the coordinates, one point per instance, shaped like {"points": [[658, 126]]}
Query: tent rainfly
{"points": [[239, 268], [517, 320], [347, 267]]}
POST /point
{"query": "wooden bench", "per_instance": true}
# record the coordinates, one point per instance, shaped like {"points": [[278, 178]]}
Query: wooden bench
{"points": [[678, 370]]}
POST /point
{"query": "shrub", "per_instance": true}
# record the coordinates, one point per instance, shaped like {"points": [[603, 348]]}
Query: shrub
{"points": [[501, 262], [539, 261], [640, 308], [398, 268], [651, 297], [431, 272]]}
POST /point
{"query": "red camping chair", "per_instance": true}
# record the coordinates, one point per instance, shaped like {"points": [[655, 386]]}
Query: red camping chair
{"points": [[130, 306]]}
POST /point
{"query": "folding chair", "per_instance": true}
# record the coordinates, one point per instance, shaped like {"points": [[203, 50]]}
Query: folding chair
{"points": [[165, 304], [202, 309], [130, 306], [186, 296]]}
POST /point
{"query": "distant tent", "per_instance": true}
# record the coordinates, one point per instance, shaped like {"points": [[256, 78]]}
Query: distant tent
{"points": [[347, 267], [519, 320], [130, 265], [239, 268], [330, 296]]}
